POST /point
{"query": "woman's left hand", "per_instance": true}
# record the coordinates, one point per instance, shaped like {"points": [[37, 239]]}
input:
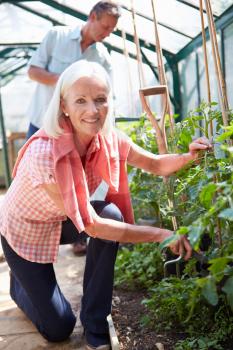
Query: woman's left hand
{"points": [[200, 144]]}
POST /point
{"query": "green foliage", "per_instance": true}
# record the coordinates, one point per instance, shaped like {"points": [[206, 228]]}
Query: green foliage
{"points": [[142, 184], [138, 266], [181, 304], [201, 343], [201, 303], [228, 289], [209, 289], [169, 302], [216, 328]]}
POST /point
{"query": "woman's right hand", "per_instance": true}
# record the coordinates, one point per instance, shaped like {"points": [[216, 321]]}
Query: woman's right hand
{"points": [[182, 247]]}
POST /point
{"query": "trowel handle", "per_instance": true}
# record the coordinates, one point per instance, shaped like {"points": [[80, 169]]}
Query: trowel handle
{"points": [[154, 90]]}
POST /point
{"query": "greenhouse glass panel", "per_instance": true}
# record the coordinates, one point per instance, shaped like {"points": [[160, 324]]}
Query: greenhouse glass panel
{"points": [[118, 42], [212, 74], [52, 12], [165, 10], [15, 113], [218, 6], [152, 57], [228, 46], [170, 40], [14, 17], [81, 6], [188, 78], [128, 103]]}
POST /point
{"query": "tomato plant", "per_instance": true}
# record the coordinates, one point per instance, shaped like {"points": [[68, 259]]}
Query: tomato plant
{"points": [[202, 194]]}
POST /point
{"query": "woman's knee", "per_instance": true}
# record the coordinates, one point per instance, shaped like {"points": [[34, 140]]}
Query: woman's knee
{"points": [[108, 211], [59, 330]]}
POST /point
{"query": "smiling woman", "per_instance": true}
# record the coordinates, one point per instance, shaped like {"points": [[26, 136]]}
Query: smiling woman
{"points": [[50, 202], [86, 105], [82, 94]]}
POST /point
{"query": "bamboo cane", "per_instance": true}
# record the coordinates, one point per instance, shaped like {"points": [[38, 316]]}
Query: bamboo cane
{"points": [[159, 90], [206, 63], [222, 80], [166, 100], [162, 147], [205, 53], [217, 63], [159, 131], [161, 70], [136, 41], [219, 231]]}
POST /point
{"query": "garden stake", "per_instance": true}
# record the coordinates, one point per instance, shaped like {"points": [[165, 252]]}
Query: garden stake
{"points": [[222, 95], [219, 232], [217, 64], [160, 130], [136, 41], [161, 69], [206, 64], [166, 101], [160, 135]]}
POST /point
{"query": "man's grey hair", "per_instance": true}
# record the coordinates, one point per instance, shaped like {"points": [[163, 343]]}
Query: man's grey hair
{"points": [[70, 75], [108, 7]]}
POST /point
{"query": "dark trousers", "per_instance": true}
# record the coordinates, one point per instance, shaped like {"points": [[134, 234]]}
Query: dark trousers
{"points": [[35, 290]]}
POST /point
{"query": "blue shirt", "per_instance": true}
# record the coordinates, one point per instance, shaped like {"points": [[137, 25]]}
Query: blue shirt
{"points": [[59, 49]]}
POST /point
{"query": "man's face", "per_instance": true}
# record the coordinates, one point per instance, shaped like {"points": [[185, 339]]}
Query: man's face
{"points": [[102, 27]]}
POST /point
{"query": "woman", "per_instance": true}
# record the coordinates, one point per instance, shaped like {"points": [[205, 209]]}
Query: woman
{"points": [[51, 200]]}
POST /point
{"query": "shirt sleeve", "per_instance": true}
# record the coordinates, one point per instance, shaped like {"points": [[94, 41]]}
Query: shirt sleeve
{"points": [[108, 67], [41, 165], [107, 60], [42, 55]]}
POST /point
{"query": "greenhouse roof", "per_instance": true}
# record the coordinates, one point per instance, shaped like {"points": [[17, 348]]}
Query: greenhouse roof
{"points": [[178, 20], [24, 24]]}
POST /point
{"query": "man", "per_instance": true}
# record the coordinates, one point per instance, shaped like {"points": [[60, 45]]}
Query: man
{"points": [[61, 47]]}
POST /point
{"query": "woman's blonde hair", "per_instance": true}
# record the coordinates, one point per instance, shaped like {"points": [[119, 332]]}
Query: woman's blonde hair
{"points": [[74, 72]]}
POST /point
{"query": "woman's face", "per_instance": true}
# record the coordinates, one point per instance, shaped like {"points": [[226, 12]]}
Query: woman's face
{"points": [[86, 103]]}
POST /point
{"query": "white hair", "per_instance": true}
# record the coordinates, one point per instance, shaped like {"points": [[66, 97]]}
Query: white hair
{"points": [[74, 72]]}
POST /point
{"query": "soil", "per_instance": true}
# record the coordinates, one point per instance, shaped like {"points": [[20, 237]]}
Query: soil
{"points": [[126, 313]]}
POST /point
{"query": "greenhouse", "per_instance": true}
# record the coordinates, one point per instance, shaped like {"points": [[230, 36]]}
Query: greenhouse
{"points": [[116, 127]]}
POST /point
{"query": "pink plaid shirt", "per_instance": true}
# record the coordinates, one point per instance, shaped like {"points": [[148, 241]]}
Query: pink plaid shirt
{"points": [[29, 219]]}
